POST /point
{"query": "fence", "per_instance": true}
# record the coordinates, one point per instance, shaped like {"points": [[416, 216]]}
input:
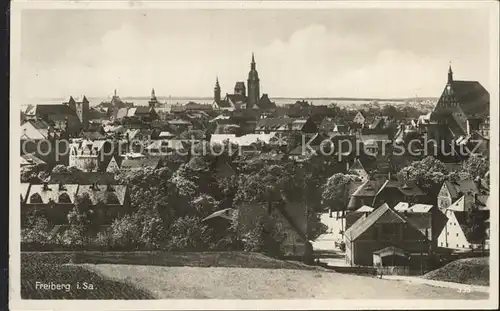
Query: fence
{"points": [[394, 270]]}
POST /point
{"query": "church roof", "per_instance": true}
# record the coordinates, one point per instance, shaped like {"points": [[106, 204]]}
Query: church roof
{"points": [[236, 99], [265, 103], [472, 98]]}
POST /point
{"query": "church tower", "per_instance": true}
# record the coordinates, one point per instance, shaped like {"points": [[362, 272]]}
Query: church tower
{"points": [[253, 86], [153, 101], [450, 75], [217, 90]]}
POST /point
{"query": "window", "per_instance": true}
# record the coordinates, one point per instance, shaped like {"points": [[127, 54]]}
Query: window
{"points": [[442, 243], [463, 246], [457, 245], [457, 234]]}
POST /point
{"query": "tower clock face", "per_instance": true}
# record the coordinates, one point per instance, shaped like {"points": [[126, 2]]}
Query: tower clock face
{"points": [[448, 88]]}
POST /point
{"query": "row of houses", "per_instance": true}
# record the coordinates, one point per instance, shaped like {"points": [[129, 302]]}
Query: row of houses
{"points": [[459, 222], [55, 201]]}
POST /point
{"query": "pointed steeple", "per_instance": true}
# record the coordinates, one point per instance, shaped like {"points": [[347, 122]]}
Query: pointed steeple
{"points": [[217, 96], [153, 93], [252, 64], [450, 75], [115, 93]]}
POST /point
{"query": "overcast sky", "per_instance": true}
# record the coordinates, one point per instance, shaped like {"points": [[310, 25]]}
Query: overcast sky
{"points": [[299, 53]]}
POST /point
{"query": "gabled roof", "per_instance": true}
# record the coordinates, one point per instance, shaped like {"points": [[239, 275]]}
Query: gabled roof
{"points": [[227, 213], [421, 208], [142, 110], [459, 205], [223, 103], [245, 140], [265, 103], [87, 147], [92, 135], [166, 134], [24, 190], [406, 188], [369, 188], [82, 178], [461, 187], [363, 224], [391, 251], [356, 165], [236, 99], [273, 123], [30, 159], [122, 113], [179, 122], [401, 207], [364, 209], [35, 129]]}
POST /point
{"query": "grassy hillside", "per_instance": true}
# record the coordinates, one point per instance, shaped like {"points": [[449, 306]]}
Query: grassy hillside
{"points": [[77, 283], [170, 259], [473, 271]]}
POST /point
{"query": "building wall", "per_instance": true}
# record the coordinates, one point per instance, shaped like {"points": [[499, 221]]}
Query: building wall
{"points": [[444, 199], [359, 119], [452, 235], [405, 237]]}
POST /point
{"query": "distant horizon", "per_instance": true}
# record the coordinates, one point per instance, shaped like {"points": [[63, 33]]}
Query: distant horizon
{"points": [[271, 97]]}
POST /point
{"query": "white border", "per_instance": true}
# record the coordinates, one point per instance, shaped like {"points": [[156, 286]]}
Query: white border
{"points": [[16, 303]]}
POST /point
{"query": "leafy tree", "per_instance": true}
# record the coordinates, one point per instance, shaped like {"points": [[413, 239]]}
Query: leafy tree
{"points": [[188, 233], [476, 166], [36, 231], [428, 173], [335, 191], [192, 134], [475, 226], [29, 174], [60, 168]]}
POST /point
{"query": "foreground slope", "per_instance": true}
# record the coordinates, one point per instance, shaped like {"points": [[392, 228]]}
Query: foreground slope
{"points": [[256, 283]]}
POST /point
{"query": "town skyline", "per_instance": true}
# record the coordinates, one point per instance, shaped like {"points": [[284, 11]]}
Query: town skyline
{"points": [[307, 54]]}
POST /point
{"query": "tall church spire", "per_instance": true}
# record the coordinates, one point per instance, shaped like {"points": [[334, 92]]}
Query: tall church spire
{"points": [[217, 97], [253, 85], [153, 93], [450, 75]]}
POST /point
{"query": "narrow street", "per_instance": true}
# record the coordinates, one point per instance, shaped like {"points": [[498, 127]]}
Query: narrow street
{"points": [[324, 246]]}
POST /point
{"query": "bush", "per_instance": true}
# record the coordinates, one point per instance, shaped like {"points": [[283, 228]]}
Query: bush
{"points": [[36, 232], [188, 233], [266, 237]]}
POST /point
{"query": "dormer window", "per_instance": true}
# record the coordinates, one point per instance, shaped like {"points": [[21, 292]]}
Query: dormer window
{"points": [[64, 198], [36, 198]]}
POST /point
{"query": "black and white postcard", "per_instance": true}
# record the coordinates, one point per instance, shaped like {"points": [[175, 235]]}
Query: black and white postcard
{"points": [[254, 155]]}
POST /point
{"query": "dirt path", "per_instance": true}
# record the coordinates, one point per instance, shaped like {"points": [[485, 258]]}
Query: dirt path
{"points": [[244, 283]]}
